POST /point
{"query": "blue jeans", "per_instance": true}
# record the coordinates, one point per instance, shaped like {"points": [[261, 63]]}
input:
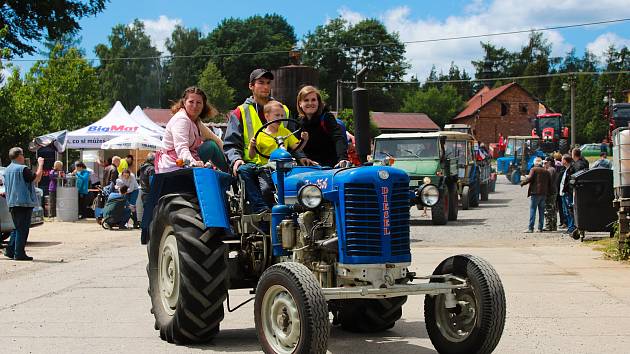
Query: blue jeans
{"points": [[537, 202], [249, 174], [567, 203], [22, 220]]}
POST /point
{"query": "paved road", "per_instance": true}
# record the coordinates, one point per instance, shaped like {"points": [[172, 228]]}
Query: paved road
{"points": [[86, 292]]}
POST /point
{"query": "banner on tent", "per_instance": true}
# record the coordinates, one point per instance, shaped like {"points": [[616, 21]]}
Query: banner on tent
{"points": [[112, 128]]}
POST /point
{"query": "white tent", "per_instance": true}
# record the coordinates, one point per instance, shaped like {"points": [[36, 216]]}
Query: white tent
{"points": [[117, 122], [141, 118], [135, 141]]}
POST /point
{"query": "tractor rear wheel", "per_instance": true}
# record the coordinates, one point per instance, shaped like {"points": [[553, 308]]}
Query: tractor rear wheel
{"points": [[368, 316], [439, 212], [476, 323], [465, 197], [515, 178], [188, 277], [453, 206], [484, 190], [563, 146]]}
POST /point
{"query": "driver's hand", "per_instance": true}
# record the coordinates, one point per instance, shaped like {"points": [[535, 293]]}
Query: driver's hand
{"points": [[252, 143], [197, 164], [308, 162], [343, 164], [237, 164], [304, 136]]}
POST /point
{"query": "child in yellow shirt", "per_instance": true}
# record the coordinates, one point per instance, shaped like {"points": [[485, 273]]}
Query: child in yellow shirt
{"points": [[266, 143]]}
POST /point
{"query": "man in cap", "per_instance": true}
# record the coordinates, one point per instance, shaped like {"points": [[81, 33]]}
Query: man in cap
{"points": [[243, 123]]}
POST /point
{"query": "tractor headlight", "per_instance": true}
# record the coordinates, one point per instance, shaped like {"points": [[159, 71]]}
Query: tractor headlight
{"points": [[310, 196], [429, 195]]}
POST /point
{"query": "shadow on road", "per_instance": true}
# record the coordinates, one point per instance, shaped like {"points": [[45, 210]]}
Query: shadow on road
{"points": [[496, 201], [395, 340], [42, 244], [427, 222]]}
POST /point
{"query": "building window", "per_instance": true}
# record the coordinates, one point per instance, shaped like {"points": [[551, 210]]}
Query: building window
{"points": [[505, 109], [522, 108]]}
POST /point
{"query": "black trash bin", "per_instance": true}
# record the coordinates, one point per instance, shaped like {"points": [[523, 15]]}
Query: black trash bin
{"points": [[593, 200]]}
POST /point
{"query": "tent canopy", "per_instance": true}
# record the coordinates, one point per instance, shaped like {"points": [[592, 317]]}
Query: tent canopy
{"points": [[57, 140], [141, 118], [135, 141], [117, 122]]}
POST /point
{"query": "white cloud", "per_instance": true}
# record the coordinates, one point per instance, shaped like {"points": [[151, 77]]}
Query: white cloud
{"points": [[159, 30], [490, 16], [601, 44], [351, 16]]}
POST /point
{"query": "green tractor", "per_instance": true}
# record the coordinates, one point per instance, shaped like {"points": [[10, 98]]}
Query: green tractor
{"points": [[422, 156]]}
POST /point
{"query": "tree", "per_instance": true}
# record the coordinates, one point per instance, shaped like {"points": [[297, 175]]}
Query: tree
{"points": [[30, 21], [130, 69], [217, 90], [339, 50], [347, 116], [182, 69], [440, 105], [60, 93], [268, 37]]}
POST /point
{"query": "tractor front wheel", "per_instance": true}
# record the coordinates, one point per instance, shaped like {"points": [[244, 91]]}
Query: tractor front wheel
{"points": [[465, 197], [476, 322], [290, 311], [439, 212], [453, 206], [515, 178]]}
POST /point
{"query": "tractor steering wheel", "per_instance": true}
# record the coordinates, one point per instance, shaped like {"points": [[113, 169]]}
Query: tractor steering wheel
{"points": [[278, 139]]}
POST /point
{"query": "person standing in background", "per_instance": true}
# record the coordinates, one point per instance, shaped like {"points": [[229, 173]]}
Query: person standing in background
{"points": [[54, 175], [20, 184], [83, 183]]}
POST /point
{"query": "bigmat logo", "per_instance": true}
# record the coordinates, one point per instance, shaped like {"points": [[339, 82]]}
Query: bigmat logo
{"points": [[386, 226], [113, 128]]}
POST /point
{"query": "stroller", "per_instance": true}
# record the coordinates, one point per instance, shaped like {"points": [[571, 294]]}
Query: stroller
{"points": [[99, 202]]}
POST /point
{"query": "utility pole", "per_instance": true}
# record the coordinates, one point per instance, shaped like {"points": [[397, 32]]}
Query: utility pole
{"points": [[339, 96], [570, 85]]}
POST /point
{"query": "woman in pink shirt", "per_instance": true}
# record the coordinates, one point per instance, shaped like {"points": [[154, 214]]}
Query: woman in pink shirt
{"points": [[185, 134]]}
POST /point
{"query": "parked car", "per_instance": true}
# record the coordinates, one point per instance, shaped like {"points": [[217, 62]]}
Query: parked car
{"points": [[592, 150], [6, 223]]}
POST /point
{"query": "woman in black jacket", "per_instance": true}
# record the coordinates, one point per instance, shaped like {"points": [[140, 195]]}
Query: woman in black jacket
{"points": [[326, 144]]}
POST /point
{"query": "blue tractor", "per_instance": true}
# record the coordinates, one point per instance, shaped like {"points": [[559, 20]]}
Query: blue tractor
{"points": [[336, 240], [519, 157]]}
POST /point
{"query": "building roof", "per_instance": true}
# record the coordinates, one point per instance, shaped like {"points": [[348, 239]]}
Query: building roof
{"points": [[160, 116], [403, 121], [481, 98], [451, 135]]}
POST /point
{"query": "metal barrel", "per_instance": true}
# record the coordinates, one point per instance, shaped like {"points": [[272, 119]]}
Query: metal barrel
{"points": [[67, 199]]}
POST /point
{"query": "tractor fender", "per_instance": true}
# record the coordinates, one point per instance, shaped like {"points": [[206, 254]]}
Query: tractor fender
{"points": [[209, 185]]}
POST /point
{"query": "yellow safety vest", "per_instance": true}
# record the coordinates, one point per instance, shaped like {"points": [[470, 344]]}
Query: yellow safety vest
{"points": [[251, 124]]}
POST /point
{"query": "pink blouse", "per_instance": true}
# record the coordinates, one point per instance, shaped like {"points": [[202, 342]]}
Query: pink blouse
{"points": [[181, 140]]}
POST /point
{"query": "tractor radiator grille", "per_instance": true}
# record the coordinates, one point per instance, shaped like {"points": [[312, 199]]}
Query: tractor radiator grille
{"points": [[364, 218], [399, 219]]}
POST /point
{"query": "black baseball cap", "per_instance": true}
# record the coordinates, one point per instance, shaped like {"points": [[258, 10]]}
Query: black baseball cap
{"points": [[258, 73]]}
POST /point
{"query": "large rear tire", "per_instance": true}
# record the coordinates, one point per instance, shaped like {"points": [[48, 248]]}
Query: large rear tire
{"points": [[368, 316], [290, 311], [453, 207], [439, 212], [188, 278], [484, 189], [515, 178], [563, 146], [476, 323], [465, 197]]}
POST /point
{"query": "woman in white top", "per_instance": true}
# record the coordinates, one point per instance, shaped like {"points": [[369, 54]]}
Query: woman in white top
{"points": [[128, 179]]}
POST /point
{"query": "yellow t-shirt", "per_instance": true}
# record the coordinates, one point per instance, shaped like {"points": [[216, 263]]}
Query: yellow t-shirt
{"points": [[122, 165], [267, 144]]}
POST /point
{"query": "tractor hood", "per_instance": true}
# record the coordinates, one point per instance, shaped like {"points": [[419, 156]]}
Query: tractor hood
{"points": [[418, 167], [330, 181]]}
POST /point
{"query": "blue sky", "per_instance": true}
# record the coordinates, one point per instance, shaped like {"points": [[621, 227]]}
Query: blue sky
{"points": [[412, 19]]}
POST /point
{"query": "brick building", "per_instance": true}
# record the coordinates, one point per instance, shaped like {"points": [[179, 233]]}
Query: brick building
{"points": [[507, 110]]}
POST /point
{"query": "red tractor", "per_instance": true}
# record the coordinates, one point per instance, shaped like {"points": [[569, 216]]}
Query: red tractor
{"points": [[553, 135]]}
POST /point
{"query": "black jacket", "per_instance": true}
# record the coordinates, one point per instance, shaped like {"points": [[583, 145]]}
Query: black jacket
{"points": [[579, 165], [326, 143]]}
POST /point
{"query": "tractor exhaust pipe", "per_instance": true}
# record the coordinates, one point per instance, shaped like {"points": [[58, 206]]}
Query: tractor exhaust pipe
{"points": [[361, 116]]}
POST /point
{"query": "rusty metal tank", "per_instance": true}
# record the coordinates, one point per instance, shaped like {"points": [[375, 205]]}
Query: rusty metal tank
{"points": [[288, 80]]}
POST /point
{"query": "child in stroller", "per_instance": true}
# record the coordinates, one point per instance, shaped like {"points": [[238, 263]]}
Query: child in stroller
{"points": [[117, 210]]}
